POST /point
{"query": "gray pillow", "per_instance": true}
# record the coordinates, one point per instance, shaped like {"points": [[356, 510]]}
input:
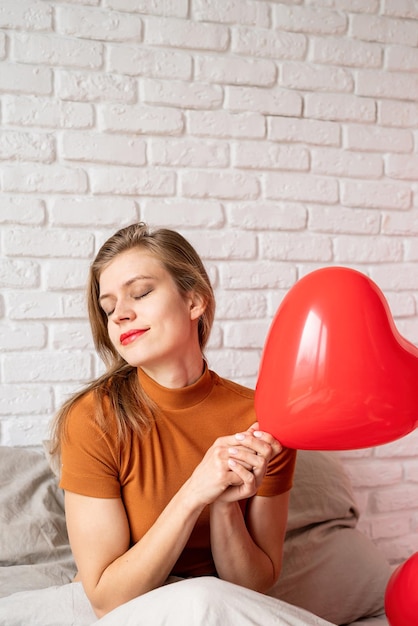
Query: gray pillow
{"points": [[34, 547], [329, 567]]}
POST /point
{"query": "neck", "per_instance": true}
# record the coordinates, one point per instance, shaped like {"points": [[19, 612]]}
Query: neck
{"points": [[182, 375]]}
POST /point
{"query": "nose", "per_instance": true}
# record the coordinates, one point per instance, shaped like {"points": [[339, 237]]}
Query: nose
{"points": [[123, 312]]}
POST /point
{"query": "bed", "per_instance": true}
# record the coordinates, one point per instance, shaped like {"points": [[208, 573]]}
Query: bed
{"points": [[332, 573]]}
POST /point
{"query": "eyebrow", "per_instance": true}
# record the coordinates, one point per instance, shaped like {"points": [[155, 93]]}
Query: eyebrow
{"points": [[128, 283]]}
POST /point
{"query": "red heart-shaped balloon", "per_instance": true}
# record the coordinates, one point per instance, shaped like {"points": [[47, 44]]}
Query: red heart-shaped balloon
{"points": [[401, 596], [335, 373]]}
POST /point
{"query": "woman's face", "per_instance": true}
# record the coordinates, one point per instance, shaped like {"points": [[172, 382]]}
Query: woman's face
{"points": [[150, 323]]}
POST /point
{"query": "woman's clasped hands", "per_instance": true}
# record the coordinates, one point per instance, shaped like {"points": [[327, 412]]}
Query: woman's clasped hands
{"points": [[234, 466]]}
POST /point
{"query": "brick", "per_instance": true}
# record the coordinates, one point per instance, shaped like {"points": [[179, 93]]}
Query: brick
{"points": [[226, 124], [18, 210], [377, 195], [295, 247], [340, 220], [246, 334], [16, 273], [411, 471], [53, 242], [257, 274], [235, 70], [309, 20], [350, 249], [242, 305], [232, 12], [47, 113], [180, 213], [408, 328], [400, 223], [395, 276], [187, 34], [306, 76], [166, 8], [272, 102], [402, 59], [257, 42], [22, 336], [383, 29], [346, 52], [393, 85], [132, 181], [74, 306], [338, 107], [52, 50], [182, 94], [266, 155], [235, 364], [46, 366], [398, 114], [44, 179], [92, 23], [71, 336], [394, 499], [149, 62], [263, 215], [304, 131], [404, 447], [140, 119], [223, 244], [33, 305], [401, 304], [376, 139], [344, 163], [102, 148], [26, 14], [2, 46], [401, 8], [24, 146], [25, 430], [67, 274], [18, 78], [222, 184], [352, 6], [378, 474], [402, 166], [94, 86], [188, 153], [18, 399], [411, 249], [300, 188], [97, 212]]}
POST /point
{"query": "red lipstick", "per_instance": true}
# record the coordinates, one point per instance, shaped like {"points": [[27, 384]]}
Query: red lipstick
{"points": [[130, 336]]}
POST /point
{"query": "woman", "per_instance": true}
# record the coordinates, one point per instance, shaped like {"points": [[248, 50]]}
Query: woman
{"points": [[164, 468]]}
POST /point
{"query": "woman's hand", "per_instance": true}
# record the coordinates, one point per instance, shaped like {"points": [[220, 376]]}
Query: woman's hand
{"points": [[248, 460], [234, 466]]}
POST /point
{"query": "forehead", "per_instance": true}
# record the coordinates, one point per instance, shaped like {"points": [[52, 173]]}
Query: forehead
{"points": [[129, 264]]}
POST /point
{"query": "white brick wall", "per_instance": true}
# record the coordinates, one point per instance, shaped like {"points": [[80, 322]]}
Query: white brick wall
{"points": [[279, 137]]}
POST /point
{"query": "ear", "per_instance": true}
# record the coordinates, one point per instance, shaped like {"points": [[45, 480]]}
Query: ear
{"points": [[197, 305]]}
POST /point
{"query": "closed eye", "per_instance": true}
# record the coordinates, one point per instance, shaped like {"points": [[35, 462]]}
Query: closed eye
{"points": [[142, 295]]}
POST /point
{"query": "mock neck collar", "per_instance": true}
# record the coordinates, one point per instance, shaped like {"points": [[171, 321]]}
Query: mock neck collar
{"points": [[177, 399]]}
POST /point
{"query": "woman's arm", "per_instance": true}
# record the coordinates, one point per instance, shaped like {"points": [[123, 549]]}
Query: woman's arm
{"points": [[113, 573], [248, 552], [247, 545]]}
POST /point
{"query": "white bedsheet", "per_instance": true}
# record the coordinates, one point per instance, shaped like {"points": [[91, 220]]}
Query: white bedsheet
{"points": [[194, 602]]}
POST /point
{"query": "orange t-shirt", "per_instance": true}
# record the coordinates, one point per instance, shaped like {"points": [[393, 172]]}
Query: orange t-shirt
{"points": [[147, 472]]}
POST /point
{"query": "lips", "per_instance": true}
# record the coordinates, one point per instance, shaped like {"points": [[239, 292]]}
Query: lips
{"points": [[130, 336]]}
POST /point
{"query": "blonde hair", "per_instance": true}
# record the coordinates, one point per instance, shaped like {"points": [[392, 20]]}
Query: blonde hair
{"points": [[133, 409]]}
